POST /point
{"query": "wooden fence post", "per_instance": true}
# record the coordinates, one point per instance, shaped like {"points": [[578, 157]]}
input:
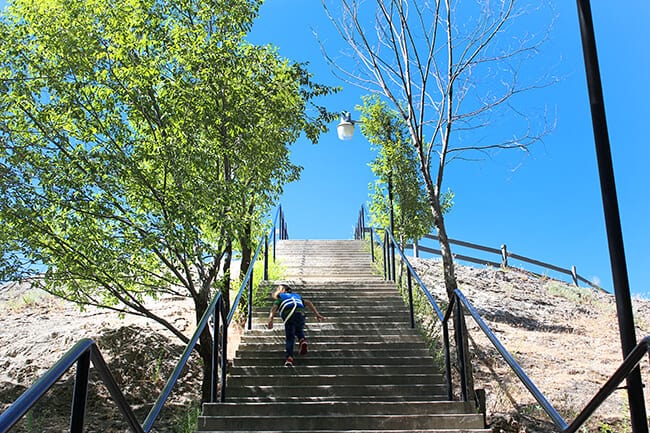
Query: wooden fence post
{"points": [[574, 274], [504, 256]]}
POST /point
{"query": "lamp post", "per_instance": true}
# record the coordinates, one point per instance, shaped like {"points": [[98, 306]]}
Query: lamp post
{"points": [[345, 131], [612, 217]]}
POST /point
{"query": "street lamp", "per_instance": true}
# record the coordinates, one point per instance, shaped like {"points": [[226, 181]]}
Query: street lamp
{"points": [[345, 131], [345, 128]]}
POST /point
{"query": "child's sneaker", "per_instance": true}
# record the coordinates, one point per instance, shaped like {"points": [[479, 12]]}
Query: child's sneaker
{"points": [[288, 362], [303, 347]]}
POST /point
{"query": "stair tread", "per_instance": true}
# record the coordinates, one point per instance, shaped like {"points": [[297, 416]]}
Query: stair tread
{"points": [[367, 370]]}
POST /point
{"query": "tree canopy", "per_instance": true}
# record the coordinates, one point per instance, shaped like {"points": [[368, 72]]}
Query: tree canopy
{"points": [[140, 139]]}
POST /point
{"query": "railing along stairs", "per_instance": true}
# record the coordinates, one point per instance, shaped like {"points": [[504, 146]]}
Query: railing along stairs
{"points": [[86, 351], [459, 305]]}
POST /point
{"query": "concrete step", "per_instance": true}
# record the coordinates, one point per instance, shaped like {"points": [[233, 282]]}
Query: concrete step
{"points": [[366, 370], [319, 345], [433, 430], [361, 326], [271, 337], [278, 368], [315, 360], [334, 408], [311, 422], [335, 379], [349, 392], [329, 329], [354, 353], [346, 310]]}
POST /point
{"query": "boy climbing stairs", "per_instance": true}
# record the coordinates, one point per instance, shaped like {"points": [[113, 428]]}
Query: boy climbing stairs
{"points": [[366, 370]]}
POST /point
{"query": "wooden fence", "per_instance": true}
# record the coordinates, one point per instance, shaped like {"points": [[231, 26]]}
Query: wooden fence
{"points": [[504, 254]]}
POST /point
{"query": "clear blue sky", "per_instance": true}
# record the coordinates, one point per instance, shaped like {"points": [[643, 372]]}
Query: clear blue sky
{"points": [[550, 207]]}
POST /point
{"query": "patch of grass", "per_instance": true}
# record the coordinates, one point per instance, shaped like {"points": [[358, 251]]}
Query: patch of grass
{"points": [[186, 422], [28, 299], [261, 287], [572, 293]]}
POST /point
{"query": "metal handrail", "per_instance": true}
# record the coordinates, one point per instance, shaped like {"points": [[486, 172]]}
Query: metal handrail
{"points": [[510, 360], [81, 354], [630, 363], [86, 350]]}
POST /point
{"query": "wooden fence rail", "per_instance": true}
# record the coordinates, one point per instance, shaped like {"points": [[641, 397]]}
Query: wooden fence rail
{"points": [[505, 254]]}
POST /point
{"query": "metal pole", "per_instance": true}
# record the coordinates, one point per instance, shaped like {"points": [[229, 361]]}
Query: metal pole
{"points": [[215, 352], [445, 337], [250, 300], [392, 220], [224, 350], [410, 288], [79, 397], [385, 256], [460, 349], [372, 245], [266, 258], [612, 217]]}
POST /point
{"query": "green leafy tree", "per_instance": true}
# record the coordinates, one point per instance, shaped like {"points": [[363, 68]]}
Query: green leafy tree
{"points": [[141, 141], [395, 166]]}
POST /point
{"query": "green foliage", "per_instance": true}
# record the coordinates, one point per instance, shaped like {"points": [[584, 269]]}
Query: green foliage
{"points": [[261, 287], [138, 138], [572, 293], [396, 169], [605, 428], [186, 422], [140, 141]]}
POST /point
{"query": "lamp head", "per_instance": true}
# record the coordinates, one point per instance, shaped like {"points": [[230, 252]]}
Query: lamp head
{"points": [[345, 128]]}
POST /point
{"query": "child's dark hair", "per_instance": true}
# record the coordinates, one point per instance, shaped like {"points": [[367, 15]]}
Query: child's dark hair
{"points": [[286, 288]]}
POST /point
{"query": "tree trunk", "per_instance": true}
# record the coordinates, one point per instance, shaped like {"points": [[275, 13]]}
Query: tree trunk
{"points": [[449, 275], [205, 352], [204, 348], [225, 278], [246, 250]]}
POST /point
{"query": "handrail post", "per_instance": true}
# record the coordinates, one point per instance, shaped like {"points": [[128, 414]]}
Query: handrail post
{"points": [[372, 245], [250, 301], [363, 223], [215, 351], [460, 349], [80, 394], [574, 274], [275, 228], [410, 288], [266, 258], [445, 337], [224, 350], [385, 251], [392, 253]]}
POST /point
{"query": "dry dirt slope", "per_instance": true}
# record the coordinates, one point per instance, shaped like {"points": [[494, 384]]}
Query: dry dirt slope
{"points": [[566, 339]]}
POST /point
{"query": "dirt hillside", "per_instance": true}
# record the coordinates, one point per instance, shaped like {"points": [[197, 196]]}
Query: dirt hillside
{"points": [[565, 338]]}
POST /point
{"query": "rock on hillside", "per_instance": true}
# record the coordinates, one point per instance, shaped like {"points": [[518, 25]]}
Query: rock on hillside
{"points": [[565, 338]]}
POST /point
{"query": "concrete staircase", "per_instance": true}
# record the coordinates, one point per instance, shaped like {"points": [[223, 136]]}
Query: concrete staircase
{"points": [[366, 370]]}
